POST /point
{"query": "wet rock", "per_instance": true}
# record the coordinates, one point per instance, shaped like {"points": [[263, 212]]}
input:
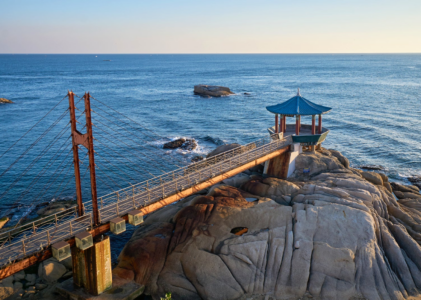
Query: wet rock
{"points": [[222, 148], [197, 158], [174, 144], [373, 177], [212, 90], [371, 167], [51, 270], [4, 100], [189, 144]]}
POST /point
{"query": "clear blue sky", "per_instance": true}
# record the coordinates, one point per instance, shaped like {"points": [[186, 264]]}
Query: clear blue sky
{"points": [[230, 26]]}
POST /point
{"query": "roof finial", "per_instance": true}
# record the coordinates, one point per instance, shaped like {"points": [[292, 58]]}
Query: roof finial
{"points": [[298, 92]]}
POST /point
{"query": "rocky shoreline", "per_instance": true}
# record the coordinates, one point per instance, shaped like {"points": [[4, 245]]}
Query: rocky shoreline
{"points": [[332, 232]]}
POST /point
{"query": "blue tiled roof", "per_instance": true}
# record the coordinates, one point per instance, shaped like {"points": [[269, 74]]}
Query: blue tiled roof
{"points": [[298, 106]]}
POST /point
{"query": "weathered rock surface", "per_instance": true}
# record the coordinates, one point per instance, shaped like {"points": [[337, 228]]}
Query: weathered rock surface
{"points": [[4, 100], [328, 235], [212, 90]]}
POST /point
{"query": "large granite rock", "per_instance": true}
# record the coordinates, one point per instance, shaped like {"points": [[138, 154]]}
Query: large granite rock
{"points": [[212, 90], [329, 235]]}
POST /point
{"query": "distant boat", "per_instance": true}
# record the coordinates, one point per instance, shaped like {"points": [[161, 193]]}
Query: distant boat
{"points": [[107, 59], [96, 56]]}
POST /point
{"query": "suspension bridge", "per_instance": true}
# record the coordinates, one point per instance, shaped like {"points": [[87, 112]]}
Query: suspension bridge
{"points": [[118, 163]]}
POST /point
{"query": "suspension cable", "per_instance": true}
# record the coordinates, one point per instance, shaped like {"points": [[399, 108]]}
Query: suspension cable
{"points": [[124, 157], [33, 126], [129, 147], [130, 133]]}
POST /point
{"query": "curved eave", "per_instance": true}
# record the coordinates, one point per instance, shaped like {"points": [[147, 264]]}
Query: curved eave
{"points": [[297, 114], [298, 106]]}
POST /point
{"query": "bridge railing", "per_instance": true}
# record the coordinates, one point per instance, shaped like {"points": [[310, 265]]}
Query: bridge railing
{"points": [[35, 236]]}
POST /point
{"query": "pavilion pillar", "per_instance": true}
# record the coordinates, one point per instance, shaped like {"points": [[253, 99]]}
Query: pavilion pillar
{"points": [[285, 123], [313, 124], [297, 125], [281, 123], [320, 124], [276, 123]]}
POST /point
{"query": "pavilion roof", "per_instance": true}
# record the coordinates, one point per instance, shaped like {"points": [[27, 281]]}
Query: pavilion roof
{"points": [[298, 105]]}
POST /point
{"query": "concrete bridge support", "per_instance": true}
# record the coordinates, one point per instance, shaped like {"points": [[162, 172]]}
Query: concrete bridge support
{"points": [[92, 267]]}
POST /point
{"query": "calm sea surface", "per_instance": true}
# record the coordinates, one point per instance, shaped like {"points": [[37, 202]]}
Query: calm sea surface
{"points": [[375, 118]]}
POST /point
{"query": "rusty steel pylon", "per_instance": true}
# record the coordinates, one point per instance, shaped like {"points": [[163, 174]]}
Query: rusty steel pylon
{"points": [[87, 141]]}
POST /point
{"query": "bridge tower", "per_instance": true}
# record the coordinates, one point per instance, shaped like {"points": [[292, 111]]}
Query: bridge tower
{"points": [[91, 258]]}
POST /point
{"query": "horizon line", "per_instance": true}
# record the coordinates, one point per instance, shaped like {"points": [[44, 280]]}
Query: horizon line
{"points": [[208, 53]]}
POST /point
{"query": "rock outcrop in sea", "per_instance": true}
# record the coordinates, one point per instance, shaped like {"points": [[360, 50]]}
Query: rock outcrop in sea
{"points": [[333, 233], [4, 100], [212, 90]]}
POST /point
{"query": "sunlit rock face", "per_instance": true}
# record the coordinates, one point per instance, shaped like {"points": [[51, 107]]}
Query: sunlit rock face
{"points": [[328, 235]]}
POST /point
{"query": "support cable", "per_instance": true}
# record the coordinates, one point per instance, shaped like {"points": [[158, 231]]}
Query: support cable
{"points": [[33, 144], [45, 188], [128, 166], [120, 188], [130, 147], [33, 126], [143, 159], [31, 165], [130, 138], [132, 127], [115, 166], [104, 166]]}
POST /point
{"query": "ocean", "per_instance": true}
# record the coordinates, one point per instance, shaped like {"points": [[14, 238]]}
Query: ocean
{"points": [[375, 117]]}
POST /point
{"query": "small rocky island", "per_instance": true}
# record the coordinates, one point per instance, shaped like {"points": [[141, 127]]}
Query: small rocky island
{"points": [[4, 100], [212, 90]]}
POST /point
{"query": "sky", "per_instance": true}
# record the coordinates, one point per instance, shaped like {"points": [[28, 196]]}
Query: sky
{"points": [[230, 26]]}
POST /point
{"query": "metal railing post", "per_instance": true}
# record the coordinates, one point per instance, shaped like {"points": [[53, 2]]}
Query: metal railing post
{"points": [[23, 247], [48, 237], [134, 203], [71, 229]]}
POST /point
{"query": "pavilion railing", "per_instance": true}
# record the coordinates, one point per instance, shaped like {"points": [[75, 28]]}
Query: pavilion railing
{"points": [[33, 237]]}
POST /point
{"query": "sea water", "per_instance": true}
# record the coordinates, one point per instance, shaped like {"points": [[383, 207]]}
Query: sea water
{"points": [[375, 117]]}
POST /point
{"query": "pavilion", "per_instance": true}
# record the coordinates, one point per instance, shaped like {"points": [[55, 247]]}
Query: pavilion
{"points": [[299, 106]]}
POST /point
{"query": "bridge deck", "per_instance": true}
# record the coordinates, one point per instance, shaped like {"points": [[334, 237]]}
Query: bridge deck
{"points": [[28, 244]]}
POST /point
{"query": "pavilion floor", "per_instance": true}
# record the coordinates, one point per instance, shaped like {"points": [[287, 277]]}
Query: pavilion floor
{"points": [[304, 130]]}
